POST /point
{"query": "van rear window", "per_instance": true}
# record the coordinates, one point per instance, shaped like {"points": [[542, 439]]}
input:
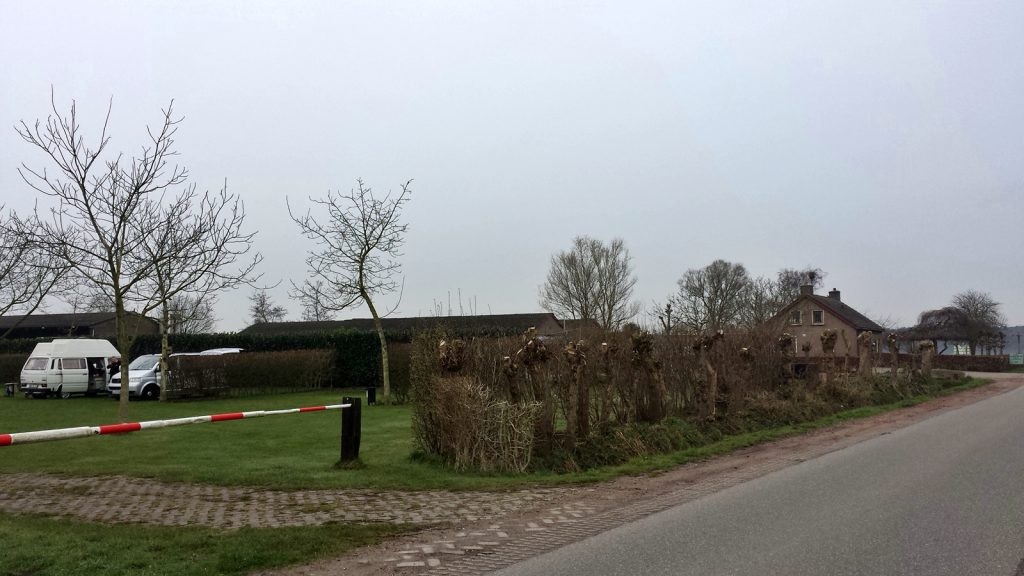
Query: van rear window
{"points": [[36, 364]]}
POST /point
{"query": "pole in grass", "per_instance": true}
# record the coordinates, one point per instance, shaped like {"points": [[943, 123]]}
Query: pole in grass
{"points": [[351, 424]]}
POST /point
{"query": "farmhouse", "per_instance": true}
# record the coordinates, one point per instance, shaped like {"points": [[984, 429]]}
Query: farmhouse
{"points": [[807, 317], [80, 324]]}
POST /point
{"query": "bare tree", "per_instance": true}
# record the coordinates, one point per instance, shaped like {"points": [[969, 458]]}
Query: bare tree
{"points": [[591, 281], [27, 272], [308, 295], [711, 298], [947, 324], [356, 255], [262, 309], [105, 209], [983, 317], [198, 249], [790, 280], [665, 317], [761, 301], [192, 314]]}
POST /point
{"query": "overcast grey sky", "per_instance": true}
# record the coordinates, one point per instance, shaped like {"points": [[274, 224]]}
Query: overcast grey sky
{"points": [[880, 141]]}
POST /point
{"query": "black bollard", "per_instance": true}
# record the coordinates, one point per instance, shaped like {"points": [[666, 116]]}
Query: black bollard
{"points": [[350, 429]]}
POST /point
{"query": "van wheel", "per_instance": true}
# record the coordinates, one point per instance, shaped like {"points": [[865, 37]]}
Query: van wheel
{"points": [[150, 392], [62, 394]]}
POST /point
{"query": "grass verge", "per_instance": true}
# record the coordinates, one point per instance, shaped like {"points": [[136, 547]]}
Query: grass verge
{"points": [[59, 547]]}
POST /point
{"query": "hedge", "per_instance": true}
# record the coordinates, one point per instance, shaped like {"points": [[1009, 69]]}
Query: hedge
{"points": [[10, 367], [966, 363], [255, 373]]}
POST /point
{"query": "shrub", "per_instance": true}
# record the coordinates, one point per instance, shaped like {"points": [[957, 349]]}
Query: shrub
{"points": [[472, 430]]}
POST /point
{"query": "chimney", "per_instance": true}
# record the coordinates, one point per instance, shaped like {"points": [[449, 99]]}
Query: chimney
{"points": [[834, 294], [806, 289]]}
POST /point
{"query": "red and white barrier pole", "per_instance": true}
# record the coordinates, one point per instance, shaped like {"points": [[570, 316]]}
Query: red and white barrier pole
{"points": [[82, 431]]}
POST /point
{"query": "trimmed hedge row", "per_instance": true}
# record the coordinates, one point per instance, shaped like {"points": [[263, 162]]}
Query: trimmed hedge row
{"points": [[952, 362], [251, 374]]}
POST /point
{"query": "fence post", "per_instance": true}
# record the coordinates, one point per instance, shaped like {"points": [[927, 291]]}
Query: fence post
{"points": [[351, 425]]}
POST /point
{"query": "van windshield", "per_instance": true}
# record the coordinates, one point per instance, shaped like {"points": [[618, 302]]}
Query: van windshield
{"points": [[35, 364], [144, 362]]}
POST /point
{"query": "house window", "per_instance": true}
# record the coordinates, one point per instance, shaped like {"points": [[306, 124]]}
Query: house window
{"points": [[817, 317], [795, 318]]}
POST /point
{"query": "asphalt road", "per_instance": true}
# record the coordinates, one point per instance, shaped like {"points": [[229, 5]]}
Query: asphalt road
{"points": [[944, 496]]}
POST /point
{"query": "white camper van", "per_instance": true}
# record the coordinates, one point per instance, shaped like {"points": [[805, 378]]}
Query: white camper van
{"points": [[66, 367]]}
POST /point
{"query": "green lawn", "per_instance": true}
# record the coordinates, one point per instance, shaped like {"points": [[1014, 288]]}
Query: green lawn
{"points": [[52, 547], [292, 451]]}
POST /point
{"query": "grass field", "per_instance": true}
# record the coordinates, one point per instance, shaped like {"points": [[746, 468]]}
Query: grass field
{"points": [[293, 451], [52, 547]]}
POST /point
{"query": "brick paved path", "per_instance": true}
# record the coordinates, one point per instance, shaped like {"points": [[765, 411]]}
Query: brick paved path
{"points": [[119, 499]]}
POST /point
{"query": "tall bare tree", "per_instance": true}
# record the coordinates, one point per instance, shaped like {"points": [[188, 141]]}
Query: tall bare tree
{"points": [[356, 254], [791, 279], [711, 298], [198, 249], [262, 309], [761, 300], [591, 281], [104, 209], [27, 272], [308, 295], [192, 314]]}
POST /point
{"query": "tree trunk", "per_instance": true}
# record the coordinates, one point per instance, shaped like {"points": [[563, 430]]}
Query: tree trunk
{"points": [[572, 410], [865, 367], [386, 389], [712, 384], [124, 345], [583, 408], [165, 349], [926, 361]]}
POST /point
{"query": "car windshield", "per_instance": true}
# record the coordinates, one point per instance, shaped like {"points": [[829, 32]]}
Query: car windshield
{"points": [[35, 364], [144, 362]]}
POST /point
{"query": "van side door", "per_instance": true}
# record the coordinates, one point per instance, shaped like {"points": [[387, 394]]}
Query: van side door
{"points": [[75, 372], [54, 379]]}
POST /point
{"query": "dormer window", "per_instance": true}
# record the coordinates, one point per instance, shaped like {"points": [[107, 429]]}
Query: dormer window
{"points": [[817, 317], [795, 318]]}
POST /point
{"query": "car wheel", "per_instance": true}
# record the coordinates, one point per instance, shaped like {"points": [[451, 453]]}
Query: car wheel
{"points": [[63, 395], [150, 392]]}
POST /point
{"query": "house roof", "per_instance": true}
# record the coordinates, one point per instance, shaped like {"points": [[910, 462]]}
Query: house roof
{"points": [[838, 309], [514, 323], [580, 324], [59, 320]]}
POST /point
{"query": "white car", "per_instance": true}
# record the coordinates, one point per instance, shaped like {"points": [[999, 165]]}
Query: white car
{"points": [[144, 378]]}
